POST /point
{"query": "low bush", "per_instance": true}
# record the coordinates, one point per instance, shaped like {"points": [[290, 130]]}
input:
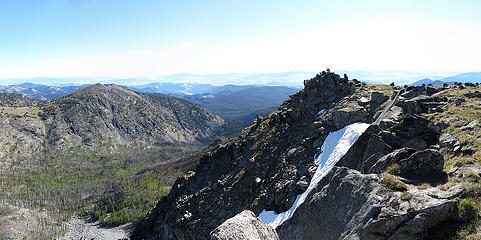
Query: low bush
{"points": [[406, 196], [424, 186], [394, 169], [393, 183], [467, 210]]}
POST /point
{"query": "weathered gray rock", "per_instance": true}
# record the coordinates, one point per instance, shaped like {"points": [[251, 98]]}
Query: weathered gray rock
{"points": [[423, 162], [422, 104], [475, 94], [414, 132], [394, 157], [342, 116], [447, 140], [413, 91], [386, 123], [459, 101], [470, 126], [244, 226], [450, 193], [363, 101], [368, 144], [349, 205], [377, 99]]}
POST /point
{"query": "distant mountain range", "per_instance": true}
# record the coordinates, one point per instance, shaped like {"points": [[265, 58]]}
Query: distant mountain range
{"points": [[291, 79], [427, 81], [38, 91], [473, 77], [45, 92], [288, 79]]}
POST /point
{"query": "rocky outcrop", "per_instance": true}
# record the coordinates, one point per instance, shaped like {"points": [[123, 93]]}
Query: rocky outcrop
{"points": [[427, 161], [396, 156], [448, 140], [349, 205], [475, 94], [469, 126], [264, 168], [414, 132], [244, 226], [420, 99], [271, 163], [367, 149], [377, 149]]}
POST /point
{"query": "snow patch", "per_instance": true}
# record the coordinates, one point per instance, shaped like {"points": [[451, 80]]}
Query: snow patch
{"points": [[334, 147]]}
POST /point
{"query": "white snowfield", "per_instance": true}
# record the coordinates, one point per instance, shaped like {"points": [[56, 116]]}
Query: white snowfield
{"points": [[334, 147]]}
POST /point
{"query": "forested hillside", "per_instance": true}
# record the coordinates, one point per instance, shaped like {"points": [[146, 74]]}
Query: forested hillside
{"points": [[61, 157]]}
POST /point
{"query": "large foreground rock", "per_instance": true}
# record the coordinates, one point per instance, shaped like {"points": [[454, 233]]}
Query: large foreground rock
{"points": [[349, 205], [244, 226]]}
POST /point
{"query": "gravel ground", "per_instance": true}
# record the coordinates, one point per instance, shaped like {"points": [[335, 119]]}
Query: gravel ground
{"points": [[80, 229]]}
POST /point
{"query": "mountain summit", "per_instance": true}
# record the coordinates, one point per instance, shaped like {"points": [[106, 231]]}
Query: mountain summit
{"points": [[101, 115], [119, 115], [338, 160]]}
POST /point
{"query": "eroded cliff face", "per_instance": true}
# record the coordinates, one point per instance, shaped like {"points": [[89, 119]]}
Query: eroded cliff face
{"points": [[268, 165]]}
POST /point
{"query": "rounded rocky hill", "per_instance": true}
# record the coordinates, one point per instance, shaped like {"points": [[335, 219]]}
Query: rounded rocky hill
{"points": [[112, 114]]}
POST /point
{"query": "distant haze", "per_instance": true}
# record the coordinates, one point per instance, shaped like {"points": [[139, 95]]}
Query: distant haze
{"points": [[291, 79]]}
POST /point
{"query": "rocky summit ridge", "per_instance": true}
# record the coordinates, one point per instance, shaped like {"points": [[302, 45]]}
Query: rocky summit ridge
{"points": [[372, 192]]}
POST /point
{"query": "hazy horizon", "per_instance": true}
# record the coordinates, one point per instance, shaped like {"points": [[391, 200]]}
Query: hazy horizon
{"points": [[291, 78]]}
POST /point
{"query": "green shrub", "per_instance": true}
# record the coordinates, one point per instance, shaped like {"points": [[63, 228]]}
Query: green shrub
{"points": [[467, 210], [394, 169], [424, 186], [393, 183], [473, 189], [472, 176], [463, 161], [406, 196]]}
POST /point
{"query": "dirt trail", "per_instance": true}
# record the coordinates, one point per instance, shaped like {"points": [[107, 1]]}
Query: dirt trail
{"points": [[80, 229]]}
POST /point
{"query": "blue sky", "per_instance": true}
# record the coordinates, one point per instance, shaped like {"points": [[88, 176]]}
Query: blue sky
{"points": [[154, 38]]}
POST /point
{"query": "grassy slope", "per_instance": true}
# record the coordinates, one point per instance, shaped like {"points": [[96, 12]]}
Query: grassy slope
{"points": [[469, 163]]}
